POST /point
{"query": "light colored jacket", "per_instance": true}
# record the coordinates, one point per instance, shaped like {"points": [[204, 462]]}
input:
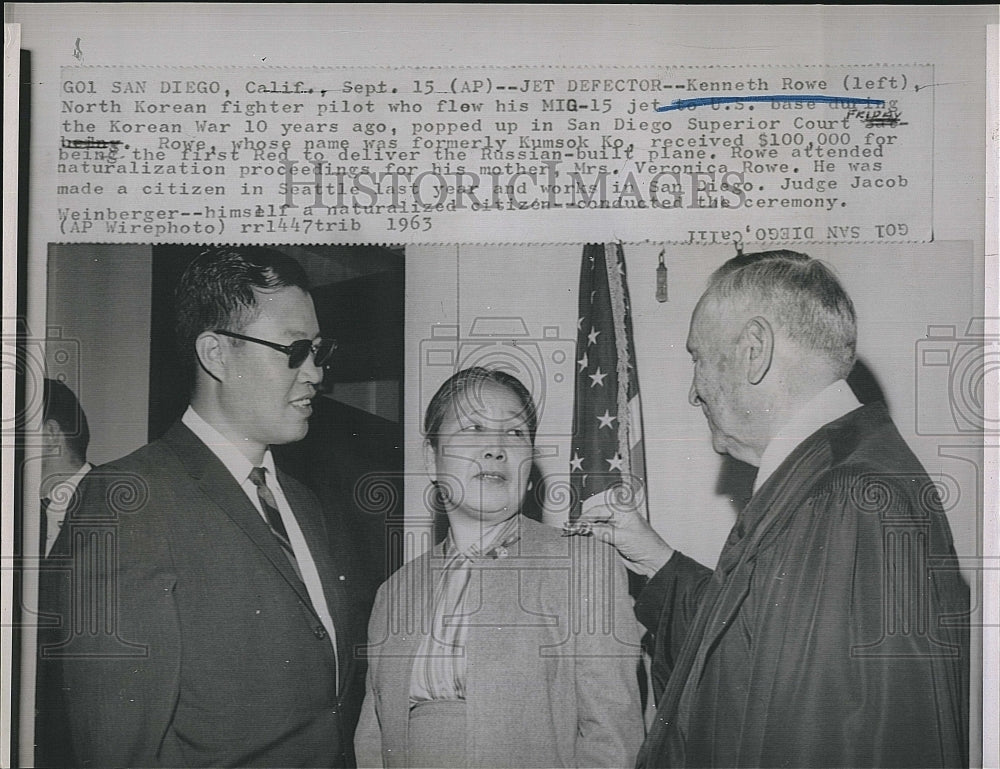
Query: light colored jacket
{"points": [[552, 657]]}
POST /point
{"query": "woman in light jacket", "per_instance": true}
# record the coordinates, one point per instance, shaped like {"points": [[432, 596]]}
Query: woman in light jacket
{"points": [[507, 645]]}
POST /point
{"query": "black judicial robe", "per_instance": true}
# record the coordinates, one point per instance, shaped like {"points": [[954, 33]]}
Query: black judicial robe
{"points": [[832, 632]]}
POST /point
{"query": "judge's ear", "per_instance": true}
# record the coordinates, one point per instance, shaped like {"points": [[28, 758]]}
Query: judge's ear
{"points": [[211, 351], [758, 338]]}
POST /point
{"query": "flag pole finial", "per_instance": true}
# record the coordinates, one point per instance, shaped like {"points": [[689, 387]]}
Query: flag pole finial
{"points": [[661, 278]]}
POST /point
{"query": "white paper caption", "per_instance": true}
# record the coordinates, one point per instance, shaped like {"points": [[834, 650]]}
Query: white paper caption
{"points": [[429, 155]]}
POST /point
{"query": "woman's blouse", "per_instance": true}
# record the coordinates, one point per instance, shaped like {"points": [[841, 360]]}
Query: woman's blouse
{"points": [[439, 667]]}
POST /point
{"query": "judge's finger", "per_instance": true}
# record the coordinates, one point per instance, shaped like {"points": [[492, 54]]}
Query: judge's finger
{"points": [[603, 532], [615, 516], [602, 529], [613, 504], [598, 515]]}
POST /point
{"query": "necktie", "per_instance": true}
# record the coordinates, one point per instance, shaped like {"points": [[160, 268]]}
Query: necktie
{"points": [[270, 508], [43, 526]]}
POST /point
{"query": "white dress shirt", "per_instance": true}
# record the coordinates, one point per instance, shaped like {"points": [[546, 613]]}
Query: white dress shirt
{"points": [[239, 467], [831, 403], [59, 498]]}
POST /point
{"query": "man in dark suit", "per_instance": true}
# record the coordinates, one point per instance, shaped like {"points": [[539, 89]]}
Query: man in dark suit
{"points": [[832, 631], [209, 618], [66, 437], [64, 463]]}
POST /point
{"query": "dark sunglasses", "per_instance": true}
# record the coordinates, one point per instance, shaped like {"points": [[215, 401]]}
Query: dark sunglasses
{"points": [[297, 351]]}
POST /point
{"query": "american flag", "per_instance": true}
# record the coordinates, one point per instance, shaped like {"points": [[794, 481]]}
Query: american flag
{"points": [[607, 419]]}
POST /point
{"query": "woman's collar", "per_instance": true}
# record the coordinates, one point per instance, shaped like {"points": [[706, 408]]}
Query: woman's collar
{"points": [[474, 539]]}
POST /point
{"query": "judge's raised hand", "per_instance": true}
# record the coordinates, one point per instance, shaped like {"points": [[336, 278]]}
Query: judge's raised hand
{"points": [[618, 516]]}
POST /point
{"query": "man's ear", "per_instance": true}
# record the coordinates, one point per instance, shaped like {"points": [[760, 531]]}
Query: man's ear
{"points": [[52, 430], [758, 338], [430, 461], [211, 352]]}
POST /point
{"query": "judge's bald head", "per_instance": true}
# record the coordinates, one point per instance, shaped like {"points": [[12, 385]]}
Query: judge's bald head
{"points": [[799, 295]]}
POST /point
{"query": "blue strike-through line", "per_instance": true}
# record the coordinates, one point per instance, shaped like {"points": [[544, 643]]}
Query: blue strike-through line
{"points": [[704, 101]]}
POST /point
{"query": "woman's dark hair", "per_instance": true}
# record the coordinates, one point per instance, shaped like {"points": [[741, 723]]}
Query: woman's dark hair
{"points": [[461, 391]]}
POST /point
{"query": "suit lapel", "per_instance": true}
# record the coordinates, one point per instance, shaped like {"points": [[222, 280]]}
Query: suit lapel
{"points": [[216, 483]]}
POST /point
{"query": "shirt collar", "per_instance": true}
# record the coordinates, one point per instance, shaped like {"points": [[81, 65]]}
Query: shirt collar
{"points": [[230, 456], [829, 404], [75, 479], [62, 490]]}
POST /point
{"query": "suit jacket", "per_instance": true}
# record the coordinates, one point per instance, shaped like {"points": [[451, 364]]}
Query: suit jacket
{"points": [[53, 746], [831, 631], [187, 639], [552, 654]]}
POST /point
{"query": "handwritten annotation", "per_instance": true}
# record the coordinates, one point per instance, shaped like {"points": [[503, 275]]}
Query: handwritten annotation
{"points": [[705, 101]]}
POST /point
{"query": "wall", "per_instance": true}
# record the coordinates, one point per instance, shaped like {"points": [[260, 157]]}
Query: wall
{"points": [[694, 493], [380, 397], [98, 299]]}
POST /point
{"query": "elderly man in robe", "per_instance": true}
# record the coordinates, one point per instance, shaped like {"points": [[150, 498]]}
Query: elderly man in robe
{"points": [[831, 632]]}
